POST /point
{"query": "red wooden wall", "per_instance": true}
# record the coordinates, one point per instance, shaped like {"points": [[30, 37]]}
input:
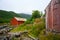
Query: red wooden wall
{"points": [[14, 22]]}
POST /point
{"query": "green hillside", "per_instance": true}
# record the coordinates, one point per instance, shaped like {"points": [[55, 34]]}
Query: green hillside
{"points": [[6, 16]]}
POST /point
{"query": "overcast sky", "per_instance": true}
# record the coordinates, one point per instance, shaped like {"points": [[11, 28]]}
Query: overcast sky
{"points": [[23, 6]]}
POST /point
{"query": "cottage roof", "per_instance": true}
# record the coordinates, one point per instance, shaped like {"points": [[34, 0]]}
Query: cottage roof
{"points": [[20, 19]]}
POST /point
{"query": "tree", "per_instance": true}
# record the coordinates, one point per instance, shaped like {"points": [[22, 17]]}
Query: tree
{"points": [[36, 14]]}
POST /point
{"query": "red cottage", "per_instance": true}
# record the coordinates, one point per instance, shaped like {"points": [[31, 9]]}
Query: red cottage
{"points": [[53, 16], [17, 21]]}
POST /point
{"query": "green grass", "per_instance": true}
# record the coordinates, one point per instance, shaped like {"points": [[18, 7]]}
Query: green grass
{"points": [[24, 28], [33, 29], [21, 28]]}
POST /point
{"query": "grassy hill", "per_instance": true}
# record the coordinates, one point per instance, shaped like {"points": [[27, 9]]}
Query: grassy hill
{"points": [[6, 16]]}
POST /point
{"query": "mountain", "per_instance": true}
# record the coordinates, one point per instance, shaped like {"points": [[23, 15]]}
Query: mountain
{"points": [[27, 16], [6, 16]]}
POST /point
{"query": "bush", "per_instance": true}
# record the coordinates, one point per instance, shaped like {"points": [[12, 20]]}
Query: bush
{"points": [[49, 36]]}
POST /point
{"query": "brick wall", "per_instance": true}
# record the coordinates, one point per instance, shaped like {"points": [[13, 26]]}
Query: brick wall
{"points": [[53, 15]]}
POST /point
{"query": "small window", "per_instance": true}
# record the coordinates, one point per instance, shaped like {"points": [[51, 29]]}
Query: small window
{"points": [[55, 7], [49, 7], [57, 2]]}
